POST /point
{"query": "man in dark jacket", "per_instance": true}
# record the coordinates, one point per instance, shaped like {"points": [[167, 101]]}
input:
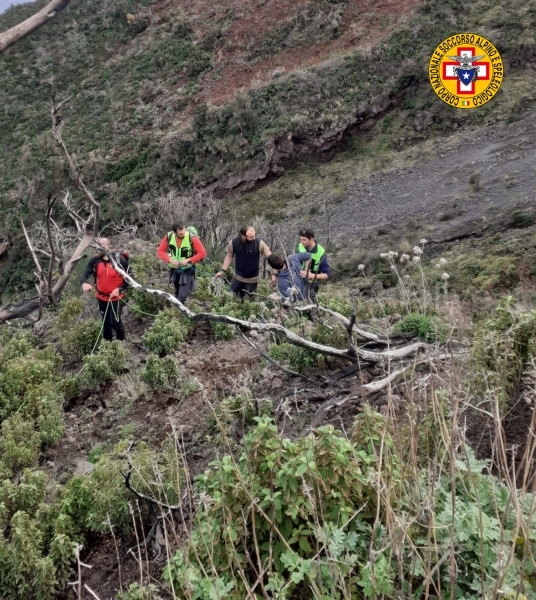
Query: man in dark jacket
{"points": [[109, 288], [246, 249], [291, 284]]}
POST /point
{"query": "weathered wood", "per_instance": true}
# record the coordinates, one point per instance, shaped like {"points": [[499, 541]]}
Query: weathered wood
{"points": [[40, 18]]}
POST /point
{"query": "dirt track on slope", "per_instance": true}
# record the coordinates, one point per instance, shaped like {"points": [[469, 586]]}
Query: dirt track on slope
{"points": [[428, 190]]}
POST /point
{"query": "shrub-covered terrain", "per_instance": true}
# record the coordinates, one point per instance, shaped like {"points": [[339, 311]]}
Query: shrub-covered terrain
{"points": [[167, 96], [294, 457], [183, 426]]}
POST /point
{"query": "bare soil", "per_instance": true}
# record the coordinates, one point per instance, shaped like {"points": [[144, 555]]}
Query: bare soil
{"points": [[447, 189]]}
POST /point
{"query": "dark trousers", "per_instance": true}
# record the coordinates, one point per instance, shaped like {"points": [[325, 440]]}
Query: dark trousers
{"points": [[184, 283], [311, 289], [241, 289], [111, 315]]}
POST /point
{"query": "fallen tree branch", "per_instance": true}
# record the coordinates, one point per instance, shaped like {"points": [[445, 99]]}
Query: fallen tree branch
{"points": [[351, 354], [46, 14], [366, 335], [144, 497]]}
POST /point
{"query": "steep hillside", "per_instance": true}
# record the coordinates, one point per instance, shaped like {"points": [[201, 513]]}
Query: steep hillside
{"points": [[175, 94]]}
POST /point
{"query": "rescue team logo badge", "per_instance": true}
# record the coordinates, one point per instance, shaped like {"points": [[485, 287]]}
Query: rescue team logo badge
{"points": [[466, 70]]}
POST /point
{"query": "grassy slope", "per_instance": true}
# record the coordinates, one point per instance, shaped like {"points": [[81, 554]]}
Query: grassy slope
{"points": [[142, 118]]}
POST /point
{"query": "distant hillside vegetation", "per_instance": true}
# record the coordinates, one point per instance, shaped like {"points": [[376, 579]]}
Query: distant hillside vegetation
{"points": [[172, 94]]}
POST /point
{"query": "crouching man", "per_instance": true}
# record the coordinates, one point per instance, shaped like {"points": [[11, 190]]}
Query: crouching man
{"points": [[287, 273]]}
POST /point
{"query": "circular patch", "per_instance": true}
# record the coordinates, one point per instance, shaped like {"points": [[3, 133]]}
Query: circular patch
{"points": [[466, 70]]}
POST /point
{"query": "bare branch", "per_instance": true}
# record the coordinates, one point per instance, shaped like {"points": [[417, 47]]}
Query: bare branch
{"points": [[46, 14], [49, 292], [32, 250], [143, 496], [57, 130], [52, 250], [351, 354], [366, 335]]}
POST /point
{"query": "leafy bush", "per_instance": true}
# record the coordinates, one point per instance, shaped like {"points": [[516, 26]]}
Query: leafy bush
{"points": [[104, 364], [504, 343], [19, 444], [423, 326], [80, 340], [137, 592], [521, 219], [35, 556], [147, 268], [161, 373], [298, 359], [78, 335], [334, 335], [228, 304], [281, 503], [167, 333], [307, 514]]}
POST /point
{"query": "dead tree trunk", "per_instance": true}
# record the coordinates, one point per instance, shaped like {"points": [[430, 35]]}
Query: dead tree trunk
{"points": [[49, 291], [46, 14]]}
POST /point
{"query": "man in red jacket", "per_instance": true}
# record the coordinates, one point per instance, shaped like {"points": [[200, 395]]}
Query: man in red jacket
{"points": [[109, 288], [181, 249]]}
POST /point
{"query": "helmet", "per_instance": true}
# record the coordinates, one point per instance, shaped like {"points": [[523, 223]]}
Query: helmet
{"points": [[191, 229]]}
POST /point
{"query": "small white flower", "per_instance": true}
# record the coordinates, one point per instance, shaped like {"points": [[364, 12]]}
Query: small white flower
{"points": [[442, 262], [383, 255], [445, 276], [406, 276], [417, 251], [393, 268], [416, 260], [393, 254], [423, 241], [404, 258], [438, 266], [360, 267]]}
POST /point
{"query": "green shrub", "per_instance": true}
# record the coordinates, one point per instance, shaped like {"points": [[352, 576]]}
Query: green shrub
{"points": [[104, 364], [521, 219], [298, 359], [70, 386], [423, 326], [69, 312], [137, 592], [229, 412], [81, 339], [287, 482], [228, 304], [19, 444], [150, 304], [167, 333], [161, 373], [503, 345], [222, 331], [308, 512], [332, 335], [78, 335]]}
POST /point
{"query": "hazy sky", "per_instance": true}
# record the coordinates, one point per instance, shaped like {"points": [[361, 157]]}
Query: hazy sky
{"points": [[7, 3]]}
